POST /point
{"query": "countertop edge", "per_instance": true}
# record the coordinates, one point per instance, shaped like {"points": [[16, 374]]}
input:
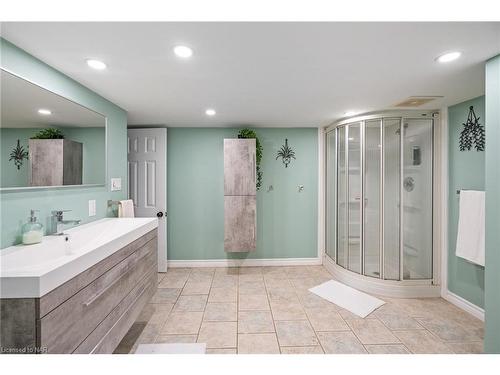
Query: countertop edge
{"points": [[37, 287]]}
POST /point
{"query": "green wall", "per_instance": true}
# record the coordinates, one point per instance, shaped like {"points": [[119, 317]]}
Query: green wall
{"points": [[15, 206], [465, 171], [94, 151], [492, 279], [286, 219]]}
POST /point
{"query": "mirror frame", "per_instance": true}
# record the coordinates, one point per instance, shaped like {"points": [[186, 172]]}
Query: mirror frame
{"points": [[59, 187]]}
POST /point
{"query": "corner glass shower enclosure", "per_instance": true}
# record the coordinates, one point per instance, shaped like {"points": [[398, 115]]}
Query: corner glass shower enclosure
{"points": [[380, 196]]}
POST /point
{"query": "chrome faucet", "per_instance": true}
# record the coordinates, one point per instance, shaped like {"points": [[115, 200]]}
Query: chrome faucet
{"points": [[58, 222]]}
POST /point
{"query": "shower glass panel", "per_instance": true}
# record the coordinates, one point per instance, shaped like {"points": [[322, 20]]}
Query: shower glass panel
{"points": [[392, 184], [354, 196], [379, 205], [372, 190], [417, 199], [342, 244], [331, 148]]}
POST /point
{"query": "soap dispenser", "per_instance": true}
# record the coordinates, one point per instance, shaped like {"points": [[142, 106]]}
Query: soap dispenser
{"points": [[32, 231]]}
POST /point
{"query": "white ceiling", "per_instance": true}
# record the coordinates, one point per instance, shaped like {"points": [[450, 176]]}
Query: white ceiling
{"points": [[21, 100], [264, 74]]}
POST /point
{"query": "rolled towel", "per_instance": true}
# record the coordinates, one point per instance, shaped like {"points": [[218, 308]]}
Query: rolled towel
{"points": [[126, 208]]}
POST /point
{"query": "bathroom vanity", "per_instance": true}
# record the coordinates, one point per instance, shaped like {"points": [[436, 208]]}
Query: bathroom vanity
{"points": [[79, 292]]}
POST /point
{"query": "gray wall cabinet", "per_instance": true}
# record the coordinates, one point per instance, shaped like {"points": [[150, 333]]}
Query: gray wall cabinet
{"points": [[55, 162], [240, 204], [91, 312], [239, 167], [239, 223]]}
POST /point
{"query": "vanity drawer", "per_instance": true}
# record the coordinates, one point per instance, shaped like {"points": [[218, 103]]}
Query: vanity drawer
{"points": [[57, 296], [65, 327], [106, 337]]}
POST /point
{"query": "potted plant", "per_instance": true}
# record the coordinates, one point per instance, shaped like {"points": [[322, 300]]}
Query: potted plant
{"points": [[49, 133], [251, 134]]}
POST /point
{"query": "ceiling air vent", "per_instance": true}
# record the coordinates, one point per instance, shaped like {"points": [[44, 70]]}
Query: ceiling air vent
{"points": [[417, 101]]}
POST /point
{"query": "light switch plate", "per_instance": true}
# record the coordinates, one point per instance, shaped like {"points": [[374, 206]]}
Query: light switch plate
{"points": [[92, 207], [116, 184]]}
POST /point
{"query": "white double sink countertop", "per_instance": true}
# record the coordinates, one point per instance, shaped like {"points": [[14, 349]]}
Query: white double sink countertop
{"points": [[31, 271]]}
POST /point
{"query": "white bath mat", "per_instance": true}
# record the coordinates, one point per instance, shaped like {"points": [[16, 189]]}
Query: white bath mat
{"points": [[181, 348], [351, 299]]}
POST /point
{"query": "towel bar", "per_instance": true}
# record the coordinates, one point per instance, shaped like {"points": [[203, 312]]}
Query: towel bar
{"points": [[458, 191]]}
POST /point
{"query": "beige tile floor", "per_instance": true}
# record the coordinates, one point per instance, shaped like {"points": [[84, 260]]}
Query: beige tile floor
{"points": [[270, 310]]}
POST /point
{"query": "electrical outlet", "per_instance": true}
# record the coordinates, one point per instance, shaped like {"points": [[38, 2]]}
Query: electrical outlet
{"points": [[92, 207], [116, 184]]}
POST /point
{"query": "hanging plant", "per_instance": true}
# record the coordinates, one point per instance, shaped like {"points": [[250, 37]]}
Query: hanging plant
{"points": [[251, 134], [286, 154], [49, 133], [472, 133], [18, 154]]}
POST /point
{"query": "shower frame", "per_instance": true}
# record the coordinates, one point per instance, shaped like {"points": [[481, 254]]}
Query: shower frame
{"points": [[428, 287]]}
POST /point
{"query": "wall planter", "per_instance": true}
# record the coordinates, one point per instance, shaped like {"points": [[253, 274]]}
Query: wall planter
{"points": [[249, 133], [18, 154], [286, 154], [472, 133]]}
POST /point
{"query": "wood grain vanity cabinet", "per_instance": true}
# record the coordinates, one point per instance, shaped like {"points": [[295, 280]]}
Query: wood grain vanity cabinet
{"points": [[91, 312], [240, 204]]}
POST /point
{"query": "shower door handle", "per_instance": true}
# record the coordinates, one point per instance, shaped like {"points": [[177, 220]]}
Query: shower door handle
{"points": [[358, 199]]}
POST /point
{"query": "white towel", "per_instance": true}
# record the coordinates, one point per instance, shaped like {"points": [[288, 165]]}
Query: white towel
{"points": [[126, 208], [471, 223]]}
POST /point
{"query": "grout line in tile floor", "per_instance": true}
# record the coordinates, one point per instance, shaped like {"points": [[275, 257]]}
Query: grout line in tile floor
{"points": [[272, 314], [171, 310], [173, 306], [390, 330], [407, 329], [308, 320], [205, 308], [293, 281]]}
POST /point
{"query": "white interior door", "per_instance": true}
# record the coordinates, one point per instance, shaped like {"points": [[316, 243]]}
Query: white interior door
{"points": [[147, 180]]}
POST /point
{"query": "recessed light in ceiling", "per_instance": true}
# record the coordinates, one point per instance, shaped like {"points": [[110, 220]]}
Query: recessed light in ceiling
{"points": [[45, 112], [183, 51], [210, 112], [448, 56], [96, 64]]}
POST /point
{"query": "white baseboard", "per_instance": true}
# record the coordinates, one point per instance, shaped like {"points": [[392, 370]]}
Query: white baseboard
{"points": [[245, 262], [463, 304]]}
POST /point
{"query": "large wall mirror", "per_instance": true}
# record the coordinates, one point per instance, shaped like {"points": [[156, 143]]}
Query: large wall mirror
{"points": [[47, 140]]}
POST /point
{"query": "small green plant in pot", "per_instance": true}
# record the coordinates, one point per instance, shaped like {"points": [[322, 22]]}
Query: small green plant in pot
{"points": [[251, 134], [49, 133]]}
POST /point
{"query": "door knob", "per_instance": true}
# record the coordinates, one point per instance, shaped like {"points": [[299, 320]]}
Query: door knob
{"points": [[159, 214]]}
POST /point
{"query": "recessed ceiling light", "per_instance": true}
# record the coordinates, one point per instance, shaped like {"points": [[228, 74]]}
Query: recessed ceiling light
{"points": [[449, 56], [45, 112], [183, 51], [210, 112], [96, 64]]}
